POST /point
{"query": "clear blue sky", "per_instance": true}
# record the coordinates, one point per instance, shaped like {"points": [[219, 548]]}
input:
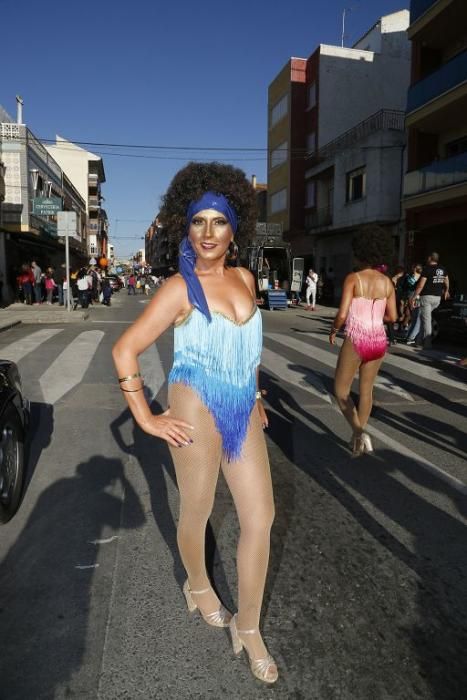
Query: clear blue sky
{"points": [[173, 74]]}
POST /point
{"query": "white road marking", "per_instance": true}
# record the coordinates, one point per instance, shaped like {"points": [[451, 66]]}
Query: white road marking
{"points": [[70, 366], [88, 566], [398, 449], [425, 463], [328, 358], [20, 348], [281, 367], [106, 541], [421, 370], [152, 371]]}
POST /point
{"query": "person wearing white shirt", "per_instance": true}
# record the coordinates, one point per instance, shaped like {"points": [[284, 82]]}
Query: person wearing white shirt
{"points": [[311, 285], [84, 282]]}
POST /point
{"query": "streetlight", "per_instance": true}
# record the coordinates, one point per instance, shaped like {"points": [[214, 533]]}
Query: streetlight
{"points": [[34, 173]]}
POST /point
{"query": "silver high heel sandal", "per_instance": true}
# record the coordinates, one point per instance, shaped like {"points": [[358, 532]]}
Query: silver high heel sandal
{"points": [[262, 669], [367, 444], [218, 618]]}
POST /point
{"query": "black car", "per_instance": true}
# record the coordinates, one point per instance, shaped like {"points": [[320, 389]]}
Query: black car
{"points": [[14, 419], [450, 320], [115, 282]]}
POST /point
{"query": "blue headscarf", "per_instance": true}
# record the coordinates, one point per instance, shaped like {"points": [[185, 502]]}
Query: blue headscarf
{"points": [[187, 256]]}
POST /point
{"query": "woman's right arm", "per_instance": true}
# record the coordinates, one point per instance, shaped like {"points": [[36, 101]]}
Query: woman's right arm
{"points": [[162, 311], [346, 300]]}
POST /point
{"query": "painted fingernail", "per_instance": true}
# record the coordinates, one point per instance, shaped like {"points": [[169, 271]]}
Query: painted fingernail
{"points": [[192, 441]]}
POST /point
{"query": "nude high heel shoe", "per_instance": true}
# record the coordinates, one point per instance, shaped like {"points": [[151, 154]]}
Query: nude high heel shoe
{"points": [[218, 618], [263, 669]]}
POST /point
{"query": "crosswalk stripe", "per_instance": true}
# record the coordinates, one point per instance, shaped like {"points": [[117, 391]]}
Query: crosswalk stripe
{"points": [[20, 348], [281, 367], [329, 359], [69, 368], [420, 370], [152, 371]]}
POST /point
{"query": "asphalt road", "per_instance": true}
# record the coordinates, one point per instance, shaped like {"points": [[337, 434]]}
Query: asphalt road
{"points": [[366, 595]]}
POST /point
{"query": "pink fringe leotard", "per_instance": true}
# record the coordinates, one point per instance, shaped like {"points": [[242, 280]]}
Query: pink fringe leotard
{"points": [[365, 328]]}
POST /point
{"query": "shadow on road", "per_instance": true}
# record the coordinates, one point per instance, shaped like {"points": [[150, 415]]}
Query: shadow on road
{"points": [[426, 608], [46, 608]]}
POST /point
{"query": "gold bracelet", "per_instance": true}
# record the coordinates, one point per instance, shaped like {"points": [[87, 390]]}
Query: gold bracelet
{"points": [[130, 391], [130, 376]]}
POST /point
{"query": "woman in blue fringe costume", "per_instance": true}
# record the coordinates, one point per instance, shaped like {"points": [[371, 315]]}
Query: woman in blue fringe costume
{"points": [[216, 417]]}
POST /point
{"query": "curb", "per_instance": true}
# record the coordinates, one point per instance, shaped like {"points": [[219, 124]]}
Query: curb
{"points": [[9, 325]]}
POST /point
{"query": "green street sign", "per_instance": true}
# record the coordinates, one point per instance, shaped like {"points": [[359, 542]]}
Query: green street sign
{"points": [[46, 206]]}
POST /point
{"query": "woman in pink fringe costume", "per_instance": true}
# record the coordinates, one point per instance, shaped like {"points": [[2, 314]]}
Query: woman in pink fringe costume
{"points": [[368, 301]]}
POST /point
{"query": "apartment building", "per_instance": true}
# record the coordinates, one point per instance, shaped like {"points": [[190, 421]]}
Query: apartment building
{"points": [[329, 115], [31, 175], [435, 185], [86, 171]]}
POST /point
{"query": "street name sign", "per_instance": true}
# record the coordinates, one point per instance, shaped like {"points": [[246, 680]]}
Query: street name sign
{"points": [[46, 206]]}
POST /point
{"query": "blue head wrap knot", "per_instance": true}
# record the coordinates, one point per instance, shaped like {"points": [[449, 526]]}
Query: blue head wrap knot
{"points": [[187, 256]]}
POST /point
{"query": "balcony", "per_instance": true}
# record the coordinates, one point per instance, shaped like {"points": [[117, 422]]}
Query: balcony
{"points": [[446, 78], [419, 7], [319, 218], [383, 120], [93, 201], [438, 175]]}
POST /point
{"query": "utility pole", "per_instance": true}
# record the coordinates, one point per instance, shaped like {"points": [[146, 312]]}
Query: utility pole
{"points": [[344, 17]]}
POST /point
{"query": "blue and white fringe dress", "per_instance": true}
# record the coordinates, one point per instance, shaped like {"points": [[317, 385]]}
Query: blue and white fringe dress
{"points": [[218, 361]]}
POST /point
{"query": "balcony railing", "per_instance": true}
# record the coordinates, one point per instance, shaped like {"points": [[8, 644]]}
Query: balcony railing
{"points": [[384, 120], [437, 175], [319, 217], [419, 7], [447, 77]]}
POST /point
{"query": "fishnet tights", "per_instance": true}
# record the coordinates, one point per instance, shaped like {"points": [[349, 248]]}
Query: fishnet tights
{"points": [[249, 481]]}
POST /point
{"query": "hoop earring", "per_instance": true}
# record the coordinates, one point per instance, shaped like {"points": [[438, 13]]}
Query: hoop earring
{"points": [[232, 251]]}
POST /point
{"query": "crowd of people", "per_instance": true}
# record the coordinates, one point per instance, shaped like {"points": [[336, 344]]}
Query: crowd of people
{"points": [[418, 292], [88, 285]]}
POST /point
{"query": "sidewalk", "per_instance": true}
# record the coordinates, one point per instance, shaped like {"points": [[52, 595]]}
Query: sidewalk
{"points": [[22, 313]]}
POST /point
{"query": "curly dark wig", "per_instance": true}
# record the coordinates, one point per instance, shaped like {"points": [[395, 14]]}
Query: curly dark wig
{"points": [[373, 245], [190, 183]]}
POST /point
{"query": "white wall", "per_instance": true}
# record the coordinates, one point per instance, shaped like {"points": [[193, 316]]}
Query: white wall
{"points": [[73, 160], [353, 83], [381, 155]]}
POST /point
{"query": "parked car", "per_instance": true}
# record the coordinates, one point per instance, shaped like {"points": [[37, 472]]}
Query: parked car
{"points": [[14, 420], [450, 320], [115, 282]]}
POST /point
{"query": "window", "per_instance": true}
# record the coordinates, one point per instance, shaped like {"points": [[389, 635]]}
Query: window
{"points": [[311, 96], [279, 110], [279, 201], [92, 248], [356, 185], [455, 148], [311, 143], [279, 155], [310, 193]]}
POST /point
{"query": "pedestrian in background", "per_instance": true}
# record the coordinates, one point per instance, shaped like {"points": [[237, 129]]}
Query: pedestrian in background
{"points": [[368, 299], [49, 286], [106, 292], [26, 283], [83, 288], [311, 288], [37, 281], [131, 284], [432, 286]]}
